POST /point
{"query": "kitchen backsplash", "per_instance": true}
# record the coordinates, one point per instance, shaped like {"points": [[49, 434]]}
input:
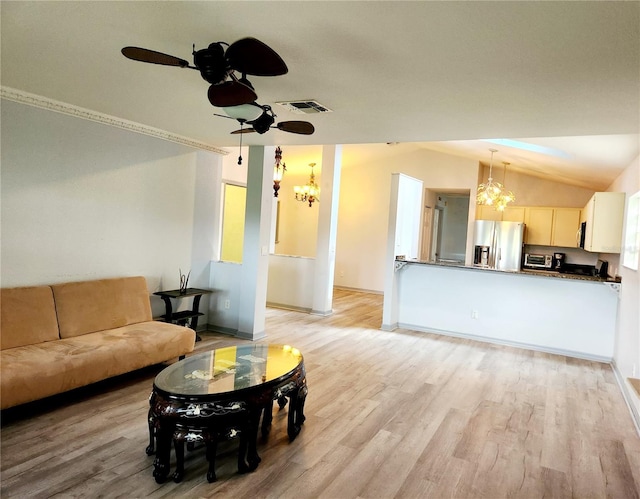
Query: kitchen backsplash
{"points": [[573, 255]]}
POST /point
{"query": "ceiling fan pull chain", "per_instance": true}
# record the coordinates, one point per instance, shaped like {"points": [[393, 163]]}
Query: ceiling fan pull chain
{"points": [[240, 156]]}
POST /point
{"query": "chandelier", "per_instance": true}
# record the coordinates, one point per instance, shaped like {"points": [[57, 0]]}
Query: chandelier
{"points": [[489, 193], [505, 196], [308, 192], [278, 172]]}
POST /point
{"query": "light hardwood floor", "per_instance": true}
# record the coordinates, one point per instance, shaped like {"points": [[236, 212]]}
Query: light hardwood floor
{"points": [[389, 414]]}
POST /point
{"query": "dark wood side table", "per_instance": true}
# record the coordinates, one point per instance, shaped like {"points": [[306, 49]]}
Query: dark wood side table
{"points": [[185, 316]]}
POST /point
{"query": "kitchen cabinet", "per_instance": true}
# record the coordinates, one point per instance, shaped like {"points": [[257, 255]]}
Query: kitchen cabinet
{"points": [[603, 215], [545, 226], [510, 214], [513, 214], [488, 213], [566, 222], [539, 225]]}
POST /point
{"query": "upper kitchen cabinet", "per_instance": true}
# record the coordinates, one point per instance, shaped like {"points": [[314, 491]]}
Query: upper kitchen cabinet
{"points": [[510, 213], [484, 212], [603, 216], [538, 225], [513, 214], [566, 222], [552, 226]]}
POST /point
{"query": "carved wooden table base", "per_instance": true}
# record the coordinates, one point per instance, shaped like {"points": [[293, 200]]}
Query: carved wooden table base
{"points": [[211, 418]]}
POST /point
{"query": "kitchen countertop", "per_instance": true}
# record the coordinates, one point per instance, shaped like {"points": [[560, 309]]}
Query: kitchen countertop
{"points": [[531, 272]]}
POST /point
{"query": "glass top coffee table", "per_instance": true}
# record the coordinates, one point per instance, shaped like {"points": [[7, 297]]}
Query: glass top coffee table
{"points": [[223, 392]]}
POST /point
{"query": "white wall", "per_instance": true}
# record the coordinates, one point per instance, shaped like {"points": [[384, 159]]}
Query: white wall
{"points": [[82, 200], [627, 347], [290, 281], [545, 314]]}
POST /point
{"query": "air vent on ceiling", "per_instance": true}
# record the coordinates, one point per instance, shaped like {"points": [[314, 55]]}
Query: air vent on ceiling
{"points": [[304, 107]]}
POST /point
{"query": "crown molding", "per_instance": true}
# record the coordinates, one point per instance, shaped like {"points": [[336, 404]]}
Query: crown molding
{"points": [[41, 102]]}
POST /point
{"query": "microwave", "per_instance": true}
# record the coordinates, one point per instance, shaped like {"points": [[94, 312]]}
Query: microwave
{"points": [[538, 261]]}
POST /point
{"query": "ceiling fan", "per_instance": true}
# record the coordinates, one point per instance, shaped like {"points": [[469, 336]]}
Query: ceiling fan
{"points": [[247, 56], [262, 118]]}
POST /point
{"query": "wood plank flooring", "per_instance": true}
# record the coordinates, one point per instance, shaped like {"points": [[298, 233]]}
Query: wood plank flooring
{"points": [[389, 414]]}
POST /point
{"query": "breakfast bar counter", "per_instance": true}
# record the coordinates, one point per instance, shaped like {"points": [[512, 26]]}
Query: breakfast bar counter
{"points": [[548, 311]]}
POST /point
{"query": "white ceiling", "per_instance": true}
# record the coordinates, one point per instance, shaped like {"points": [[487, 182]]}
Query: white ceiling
{"points": [[563, 75]]}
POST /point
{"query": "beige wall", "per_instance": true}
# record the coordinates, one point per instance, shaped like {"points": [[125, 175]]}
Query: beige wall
{"points": [[535, 191], [364, 201]]}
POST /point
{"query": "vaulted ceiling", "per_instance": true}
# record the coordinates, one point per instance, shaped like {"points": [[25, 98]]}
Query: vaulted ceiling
{"points": [[564, 76]]}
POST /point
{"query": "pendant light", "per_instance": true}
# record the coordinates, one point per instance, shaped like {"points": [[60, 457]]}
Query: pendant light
{"points": [[308, 193], [489, 193], [506, 196]]}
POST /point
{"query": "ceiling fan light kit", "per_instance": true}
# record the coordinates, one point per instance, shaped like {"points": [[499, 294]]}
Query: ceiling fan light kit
{"points": [[246, 112]]}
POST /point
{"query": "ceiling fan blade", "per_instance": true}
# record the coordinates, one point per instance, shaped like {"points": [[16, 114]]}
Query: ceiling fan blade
{"points": [[243, 130], [146, 55], [253, 57], [231, 93], [300, 127]]}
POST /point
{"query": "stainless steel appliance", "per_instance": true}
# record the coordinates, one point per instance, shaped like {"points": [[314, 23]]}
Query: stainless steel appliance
{"points": [[498, 245], [535, 261], [558, 261], [579, 269], [582, 232]]}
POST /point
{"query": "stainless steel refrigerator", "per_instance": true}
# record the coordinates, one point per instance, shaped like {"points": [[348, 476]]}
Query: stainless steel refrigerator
{"points": [[498, 245]]}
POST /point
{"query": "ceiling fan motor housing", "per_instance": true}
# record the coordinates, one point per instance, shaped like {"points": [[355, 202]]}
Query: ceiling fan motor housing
{"points": [[263, 122], [212, 64]]}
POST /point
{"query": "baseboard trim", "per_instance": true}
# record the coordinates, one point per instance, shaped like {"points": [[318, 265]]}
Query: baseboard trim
{"points": [[516, 344], [253, 337], [284, 306], [360, 290], [222, 330], [627, 396]]}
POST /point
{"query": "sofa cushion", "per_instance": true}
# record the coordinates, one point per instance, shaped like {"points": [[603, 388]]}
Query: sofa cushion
{"points": [[36, 371], [28, 316], [89, 306]]}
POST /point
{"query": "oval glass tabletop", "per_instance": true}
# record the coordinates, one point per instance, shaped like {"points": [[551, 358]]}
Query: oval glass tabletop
{"points": [[228, 369]]}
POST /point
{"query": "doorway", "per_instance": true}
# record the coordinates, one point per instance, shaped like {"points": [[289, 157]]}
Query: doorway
{"points": [[445, 223]]}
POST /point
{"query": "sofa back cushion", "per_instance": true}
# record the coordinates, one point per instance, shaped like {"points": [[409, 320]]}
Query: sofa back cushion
{"points": [[89, 306], [28, 316]]}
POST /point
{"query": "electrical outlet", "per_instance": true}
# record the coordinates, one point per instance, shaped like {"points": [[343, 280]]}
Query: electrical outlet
{"points": [[227, 304], [474, 314]]}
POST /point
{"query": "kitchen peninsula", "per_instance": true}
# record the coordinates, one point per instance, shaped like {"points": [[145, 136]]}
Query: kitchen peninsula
{"points": [[551, 312]]}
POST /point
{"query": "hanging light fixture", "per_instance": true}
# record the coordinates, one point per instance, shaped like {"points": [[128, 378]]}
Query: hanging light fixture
{"points": [[506, 196], [490, 192], [278, 172], [309, 192]]}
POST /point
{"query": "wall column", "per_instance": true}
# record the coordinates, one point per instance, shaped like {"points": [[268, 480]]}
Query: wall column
{"points": [[325, 261], [255, 254]]}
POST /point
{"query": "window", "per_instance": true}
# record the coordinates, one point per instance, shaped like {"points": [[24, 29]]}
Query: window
{"points": [[631, 249], [233, 211]]}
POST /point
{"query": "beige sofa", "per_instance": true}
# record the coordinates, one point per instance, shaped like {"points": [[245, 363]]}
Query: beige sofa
{"points": [[56, 338]]}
